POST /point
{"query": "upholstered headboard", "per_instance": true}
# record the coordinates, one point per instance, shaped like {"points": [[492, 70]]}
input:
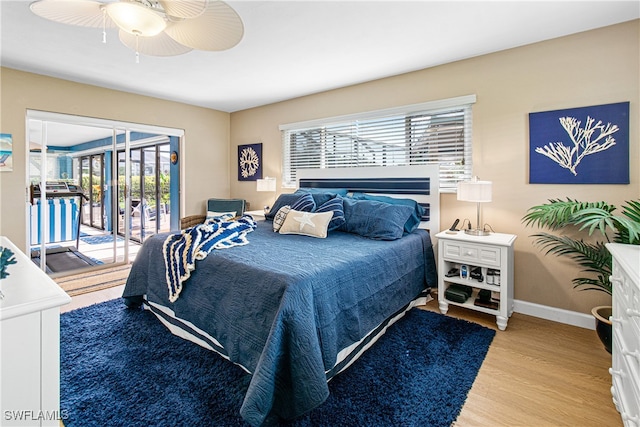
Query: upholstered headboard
{"points": [[420, 183], [226, 205]]}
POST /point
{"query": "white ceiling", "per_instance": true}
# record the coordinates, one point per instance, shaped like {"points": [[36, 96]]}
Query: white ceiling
{"points": [[296, 48], [64, 134]]}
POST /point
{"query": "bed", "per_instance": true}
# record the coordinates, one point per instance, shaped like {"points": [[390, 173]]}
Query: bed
{"points": [[293, 310]]}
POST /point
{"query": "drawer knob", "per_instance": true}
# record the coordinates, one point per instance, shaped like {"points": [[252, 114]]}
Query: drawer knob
{"points": [[613, 373]]}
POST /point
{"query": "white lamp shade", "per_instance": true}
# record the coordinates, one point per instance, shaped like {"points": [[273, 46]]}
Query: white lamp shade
{"points": [[136, 19], [474, 191], [266, 184]]}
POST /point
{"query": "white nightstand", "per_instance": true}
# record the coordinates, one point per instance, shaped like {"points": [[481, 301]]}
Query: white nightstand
{"points": [[491, 257], [257, 215]]}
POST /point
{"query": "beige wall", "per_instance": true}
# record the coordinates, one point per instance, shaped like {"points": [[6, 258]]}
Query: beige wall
{"points": [[595, 67], [205, 160]]}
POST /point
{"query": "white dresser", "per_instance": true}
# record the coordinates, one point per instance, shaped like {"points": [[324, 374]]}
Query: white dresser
{"points": [[625, 366], [29, 344]]}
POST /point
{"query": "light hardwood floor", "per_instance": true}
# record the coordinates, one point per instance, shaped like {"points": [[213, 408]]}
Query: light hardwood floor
{"points": [[537, 373]]}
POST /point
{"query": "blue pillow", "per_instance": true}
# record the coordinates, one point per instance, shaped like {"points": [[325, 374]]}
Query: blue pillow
{"points": [[282, 200], [304, 203], [337, 191], [322, 195], [336, 206], [414, 220], [375, 220]]}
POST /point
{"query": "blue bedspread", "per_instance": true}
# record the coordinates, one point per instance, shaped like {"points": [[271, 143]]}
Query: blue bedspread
{"points": [[283, 306]]}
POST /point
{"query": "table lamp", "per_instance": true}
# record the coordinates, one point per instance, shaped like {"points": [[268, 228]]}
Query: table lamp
{"points": [[479, 192], [266, 185]]}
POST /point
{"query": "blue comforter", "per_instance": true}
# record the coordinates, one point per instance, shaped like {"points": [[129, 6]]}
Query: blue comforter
{"points": [[283, 306]]}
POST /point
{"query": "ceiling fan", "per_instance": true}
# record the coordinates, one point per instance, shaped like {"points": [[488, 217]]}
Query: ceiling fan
{"points": [[153, 27]]}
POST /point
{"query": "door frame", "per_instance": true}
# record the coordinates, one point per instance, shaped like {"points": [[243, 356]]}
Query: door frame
{"points": [[142, 146], [176, 135]]}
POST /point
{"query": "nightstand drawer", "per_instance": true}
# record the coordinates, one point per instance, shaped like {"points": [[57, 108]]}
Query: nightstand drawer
{"points": [[472, 254]]}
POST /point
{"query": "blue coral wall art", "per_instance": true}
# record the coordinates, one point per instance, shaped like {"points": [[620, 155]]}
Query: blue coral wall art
{"points": [[250, 162], [586, 145]]}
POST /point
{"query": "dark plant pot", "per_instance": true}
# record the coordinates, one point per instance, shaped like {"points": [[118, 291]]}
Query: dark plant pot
{"points": [[603, 324]]}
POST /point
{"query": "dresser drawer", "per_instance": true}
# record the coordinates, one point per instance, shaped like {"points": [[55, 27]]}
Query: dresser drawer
{"points": [[624, 289], [625, 388], [472, 254], [626, 311], [628, 330], [626, 355]]}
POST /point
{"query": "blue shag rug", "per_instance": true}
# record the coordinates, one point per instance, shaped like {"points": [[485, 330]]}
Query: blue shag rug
{"points": [[121, 367]]}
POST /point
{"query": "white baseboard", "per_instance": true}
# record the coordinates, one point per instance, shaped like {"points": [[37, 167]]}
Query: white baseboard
{"points": [[555, 314]]}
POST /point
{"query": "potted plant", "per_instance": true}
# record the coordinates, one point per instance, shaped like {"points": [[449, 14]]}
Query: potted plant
{"points": [[592, 256]]}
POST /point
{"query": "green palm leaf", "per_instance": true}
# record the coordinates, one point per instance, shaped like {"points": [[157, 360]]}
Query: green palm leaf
{"points": [[629, 231], [594, 258], [560, 213]]}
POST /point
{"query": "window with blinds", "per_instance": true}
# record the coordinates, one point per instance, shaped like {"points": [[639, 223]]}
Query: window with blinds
{"points": [[436, 132]]}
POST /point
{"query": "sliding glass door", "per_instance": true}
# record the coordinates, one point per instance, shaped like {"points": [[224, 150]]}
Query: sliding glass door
{"points": [[150, 190], [97, 189], [92, 173], [68, 221]]}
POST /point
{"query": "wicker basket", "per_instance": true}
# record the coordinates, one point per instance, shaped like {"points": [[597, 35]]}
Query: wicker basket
{"points": [[191, 220]]}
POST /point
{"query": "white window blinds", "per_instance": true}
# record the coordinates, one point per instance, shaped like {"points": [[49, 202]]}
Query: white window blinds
{"points": [[435, 132]]}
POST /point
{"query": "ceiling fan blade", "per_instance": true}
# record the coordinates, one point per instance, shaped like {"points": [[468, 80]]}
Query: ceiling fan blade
{"points": [[218, 28], [184, 8], [160, 45], [85, 13]]}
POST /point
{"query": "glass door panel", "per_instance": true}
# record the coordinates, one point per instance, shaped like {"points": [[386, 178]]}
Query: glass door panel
{"points": [[150, 194], [164, 187], [121, 192], [150, 190], [95, 187], [137, 194], [85, 183], [68, 223]]}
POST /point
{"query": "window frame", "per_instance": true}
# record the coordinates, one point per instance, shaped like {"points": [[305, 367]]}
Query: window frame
{"points": [[440, 108]]}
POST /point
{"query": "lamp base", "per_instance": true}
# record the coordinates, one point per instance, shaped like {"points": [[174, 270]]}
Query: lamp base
{"points": [[477, 232]]}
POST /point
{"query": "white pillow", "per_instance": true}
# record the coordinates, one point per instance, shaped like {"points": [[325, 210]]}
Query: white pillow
{"points": [[278, 220], [212, 214], [306, 223]]}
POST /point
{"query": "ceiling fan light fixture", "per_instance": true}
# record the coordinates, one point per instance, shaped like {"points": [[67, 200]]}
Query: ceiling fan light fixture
{"points": [[152, 27], [136, 19]]}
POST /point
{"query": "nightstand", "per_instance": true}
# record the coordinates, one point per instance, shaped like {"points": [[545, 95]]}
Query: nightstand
{"points": [[477, 272], [257, 215]]}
